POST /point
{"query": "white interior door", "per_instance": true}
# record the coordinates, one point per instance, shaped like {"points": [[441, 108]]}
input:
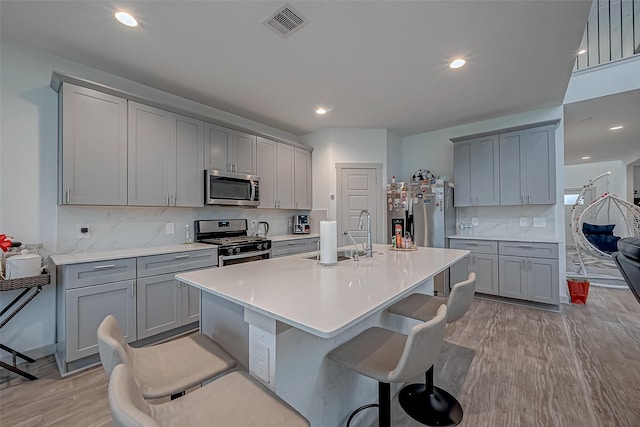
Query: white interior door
{"points": [[358, 189]]}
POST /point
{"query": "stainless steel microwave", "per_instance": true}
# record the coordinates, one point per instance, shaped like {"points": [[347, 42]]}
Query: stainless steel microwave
{"points": [[231, 189]]}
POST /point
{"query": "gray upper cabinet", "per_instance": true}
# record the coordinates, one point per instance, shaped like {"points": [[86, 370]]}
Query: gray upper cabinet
{"points": [[528, 167], [283, 173], [187, 142], [302, 179], [540, 165], [165, 158], [149, 156], [229, 150], [266, 167], [243, 153], [92, 147], [275, 169], [217, 147], [476, 170], [285, 176]]}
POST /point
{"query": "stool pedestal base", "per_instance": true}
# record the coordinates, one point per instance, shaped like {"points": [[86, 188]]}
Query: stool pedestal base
{"points": [[430, 405]]}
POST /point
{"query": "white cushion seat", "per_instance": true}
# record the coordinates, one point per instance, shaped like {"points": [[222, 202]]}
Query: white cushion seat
{"points": [[233, 400], [167, 368]]}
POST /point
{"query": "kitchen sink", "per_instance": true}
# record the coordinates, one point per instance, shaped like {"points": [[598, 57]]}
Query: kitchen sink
{"points": [[343, 255]]}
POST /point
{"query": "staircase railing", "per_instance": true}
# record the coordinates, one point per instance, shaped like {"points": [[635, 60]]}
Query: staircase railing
{"points": [[612, 33]]}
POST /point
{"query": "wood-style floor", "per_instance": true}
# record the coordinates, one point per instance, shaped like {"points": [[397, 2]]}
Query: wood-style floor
{"points": [[528, 367]]}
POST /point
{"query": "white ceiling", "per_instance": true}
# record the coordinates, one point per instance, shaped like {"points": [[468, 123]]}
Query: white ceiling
{"points": [[379, 64], [587, 126]]}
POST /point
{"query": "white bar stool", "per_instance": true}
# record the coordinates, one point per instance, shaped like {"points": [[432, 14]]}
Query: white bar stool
{"points": [[233, 400], [165, 369], [427, 403], [392, 357]]}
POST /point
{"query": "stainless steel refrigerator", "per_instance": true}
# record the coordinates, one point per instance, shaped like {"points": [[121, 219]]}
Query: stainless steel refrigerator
{"points": [[424, 209]]}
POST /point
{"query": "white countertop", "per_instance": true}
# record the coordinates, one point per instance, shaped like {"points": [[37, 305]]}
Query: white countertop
{"points": [[80, 257], [528, 239], [286, 237], [323, 300]]}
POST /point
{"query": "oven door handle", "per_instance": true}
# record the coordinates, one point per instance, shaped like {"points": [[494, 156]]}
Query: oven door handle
{"points": [[244, 255]]}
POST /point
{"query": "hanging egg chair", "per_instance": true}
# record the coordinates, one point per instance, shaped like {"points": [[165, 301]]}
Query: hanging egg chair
{"points": [[597, 229]]}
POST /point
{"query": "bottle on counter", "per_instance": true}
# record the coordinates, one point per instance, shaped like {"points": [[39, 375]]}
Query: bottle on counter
{"points": [[187, 235]]}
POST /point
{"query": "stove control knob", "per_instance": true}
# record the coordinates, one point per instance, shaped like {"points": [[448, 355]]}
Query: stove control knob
{"points": [[259, 246], [230, 251], [237, 250], [266, 246]]}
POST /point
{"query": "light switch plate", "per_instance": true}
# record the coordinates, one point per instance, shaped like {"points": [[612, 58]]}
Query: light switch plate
{"points": [[170, 228], [474, 220], [524, 221], [539, 222]]}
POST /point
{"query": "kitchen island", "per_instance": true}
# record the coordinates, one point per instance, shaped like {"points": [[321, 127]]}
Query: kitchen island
{"points": [[280, 317]]}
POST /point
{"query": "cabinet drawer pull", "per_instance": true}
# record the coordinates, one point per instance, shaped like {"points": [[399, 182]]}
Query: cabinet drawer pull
{"points": [[104, 267], [182, 256], [526, 246], [472, 244]]}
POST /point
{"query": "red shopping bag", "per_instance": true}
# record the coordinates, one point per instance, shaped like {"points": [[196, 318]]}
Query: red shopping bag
{"points": [[578, 290]]}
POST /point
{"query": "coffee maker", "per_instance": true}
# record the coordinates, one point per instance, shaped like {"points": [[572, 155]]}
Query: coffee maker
{"points": [[301, 224]]}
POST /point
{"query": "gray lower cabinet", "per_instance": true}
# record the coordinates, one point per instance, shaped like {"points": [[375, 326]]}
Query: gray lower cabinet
{"points": [[486, 268], [294, 246], [159, 305], [521, 270], [163, 303], [88, 306], [529, 271], [483, 260], [140, 292]]}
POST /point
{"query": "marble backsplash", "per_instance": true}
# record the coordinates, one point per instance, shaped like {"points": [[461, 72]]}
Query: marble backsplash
{"points": [[113, 227], [505, 220]]}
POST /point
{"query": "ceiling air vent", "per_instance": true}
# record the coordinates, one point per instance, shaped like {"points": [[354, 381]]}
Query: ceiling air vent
{"points": [[285, 20]]}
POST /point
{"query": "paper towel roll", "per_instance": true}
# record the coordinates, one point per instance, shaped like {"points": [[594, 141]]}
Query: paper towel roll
{"points": [[328, 242]]}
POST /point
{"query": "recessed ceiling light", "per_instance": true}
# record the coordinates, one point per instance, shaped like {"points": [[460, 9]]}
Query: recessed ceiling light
{"points": [[457, 63], [126, 19], [321, 111], [582, 51], [585, 157], [616, 128]]}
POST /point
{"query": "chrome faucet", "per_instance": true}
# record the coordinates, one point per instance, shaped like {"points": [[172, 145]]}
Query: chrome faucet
{"points": [[355, 244], [369, 248]]}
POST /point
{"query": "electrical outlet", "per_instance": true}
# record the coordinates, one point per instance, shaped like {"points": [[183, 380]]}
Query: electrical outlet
{"points": [[539, 222], [474, 220], [84, 232], [524, 221], [170, 228], [262, 361]]}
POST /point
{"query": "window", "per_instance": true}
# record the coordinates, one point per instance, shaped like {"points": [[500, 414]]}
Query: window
{"points": [[570, 199]]}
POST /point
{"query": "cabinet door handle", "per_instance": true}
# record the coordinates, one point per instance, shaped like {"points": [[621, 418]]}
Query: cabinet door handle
{"points": [[133, 292], [104, 267], [182, 256], [523, 264], [528, 199], [522, 199], [68, 196]]}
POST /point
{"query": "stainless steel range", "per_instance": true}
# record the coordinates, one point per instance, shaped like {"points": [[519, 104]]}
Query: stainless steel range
{"points": [[234, 245]]}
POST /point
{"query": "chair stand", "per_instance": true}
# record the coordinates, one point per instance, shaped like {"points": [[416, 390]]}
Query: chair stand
{"points": [[430, 405], [384, 405]]}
